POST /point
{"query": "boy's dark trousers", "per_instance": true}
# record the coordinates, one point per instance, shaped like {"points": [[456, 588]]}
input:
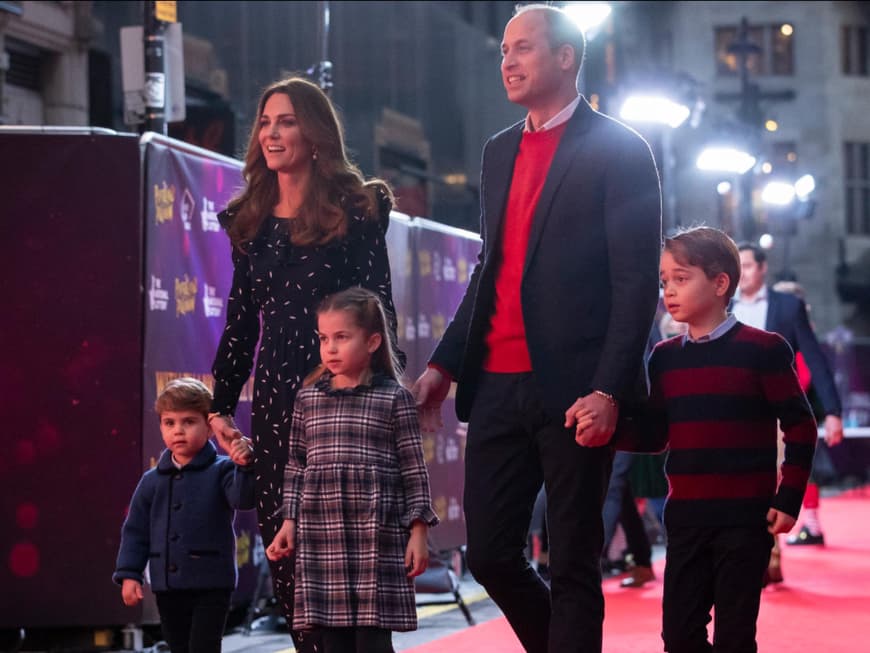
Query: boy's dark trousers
{"points": [[707, 567], [193, 620], [356, 640], [512, 446]]}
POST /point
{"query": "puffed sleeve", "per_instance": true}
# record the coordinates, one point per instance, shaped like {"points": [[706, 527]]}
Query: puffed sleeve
{"points": [[234, 359], [412, 467], [371, 262]]}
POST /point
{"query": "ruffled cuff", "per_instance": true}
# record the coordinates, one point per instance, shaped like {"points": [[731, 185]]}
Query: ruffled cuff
{"points": [[423, 513]]}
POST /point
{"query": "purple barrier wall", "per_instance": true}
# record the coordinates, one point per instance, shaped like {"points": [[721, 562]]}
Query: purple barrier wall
{"points": [[70, 376]]}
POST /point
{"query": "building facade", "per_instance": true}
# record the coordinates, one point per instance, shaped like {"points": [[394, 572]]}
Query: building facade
{"points": [[419, 90]]}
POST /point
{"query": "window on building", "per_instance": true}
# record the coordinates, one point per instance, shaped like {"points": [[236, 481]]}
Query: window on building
{"points": [[776, 55], [25, 65], [856, 167], [853, 50]]}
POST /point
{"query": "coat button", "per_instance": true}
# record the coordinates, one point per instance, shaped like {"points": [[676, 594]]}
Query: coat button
{"points": [[178, 476], [173, 537], [173, 568], [176, 506]]}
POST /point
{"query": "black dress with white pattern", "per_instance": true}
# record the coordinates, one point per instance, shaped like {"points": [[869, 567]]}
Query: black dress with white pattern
{"points": [[278, 285]]}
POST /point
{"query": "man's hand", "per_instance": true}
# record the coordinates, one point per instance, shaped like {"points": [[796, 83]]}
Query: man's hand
{"points": [[429, 391], [779, 522], [833, 430], [594, 419], [226, 432], [131, 592]]}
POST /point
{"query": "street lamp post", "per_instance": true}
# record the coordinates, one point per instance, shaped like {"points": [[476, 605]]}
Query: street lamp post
{"points": [[749, 113]]}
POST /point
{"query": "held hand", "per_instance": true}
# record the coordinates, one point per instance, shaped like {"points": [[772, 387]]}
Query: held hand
{"points": [[131, 592], [584, 418], [284, 542], [241, 452], [779, 522], [429, 391], [417, 552], [833, 430], [225, 430], [598, 420]]}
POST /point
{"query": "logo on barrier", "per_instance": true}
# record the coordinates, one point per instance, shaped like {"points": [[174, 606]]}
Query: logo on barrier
{"points": [[212, 304], [423, 328], [209, 216], [462, 270], [164, 198], [185, 295], [158, 296], [188, 206], [448, 271]]}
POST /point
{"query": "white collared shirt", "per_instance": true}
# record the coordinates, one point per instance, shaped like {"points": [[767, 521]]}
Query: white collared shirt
{"points": [[754, 311], [563, 116]]}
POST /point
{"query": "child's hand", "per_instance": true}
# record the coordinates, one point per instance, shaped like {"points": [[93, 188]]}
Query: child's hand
{"points": [[585, 417], [284, 542], [241, 451], [779, 522], [131, 592], [417, 552]]}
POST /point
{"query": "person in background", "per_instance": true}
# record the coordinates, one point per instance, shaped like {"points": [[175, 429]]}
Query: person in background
{"points": [[758, 305], [558, 308], [180, 523], [357, 506], [305, 225]]}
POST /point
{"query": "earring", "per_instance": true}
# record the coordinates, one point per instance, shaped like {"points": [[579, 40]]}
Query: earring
{"points": [[314, 154]]}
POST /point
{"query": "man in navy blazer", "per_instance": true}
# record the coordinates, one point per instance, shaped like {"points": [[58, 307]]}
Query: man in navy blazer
{"points": [[758, 305], [558, 308]]}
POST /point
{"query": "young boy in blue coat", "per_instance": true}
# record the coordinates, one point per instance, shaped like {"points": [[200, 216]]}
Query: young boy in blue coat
{"points": [[180, 523]]}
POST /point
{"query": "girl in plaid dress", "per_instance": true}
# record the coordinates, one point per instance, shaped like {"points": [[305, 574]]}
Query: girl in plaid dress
{"points": [[356, 491]]}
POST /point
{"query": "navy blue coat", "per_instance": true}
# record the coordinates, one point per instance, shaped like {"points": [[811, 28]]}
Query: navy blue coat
{"points": [[181, 522], [787, 316], [589, 288]]}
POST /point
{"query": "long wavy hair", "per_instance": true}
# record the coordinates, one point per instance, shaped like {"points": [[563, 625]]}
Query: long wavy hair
{"points": [[336, 187], [367, 312]]}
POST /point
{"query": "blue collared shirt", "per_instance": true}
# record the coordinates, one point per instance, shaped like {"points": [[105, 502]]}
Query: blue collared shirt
{"points": [[716, 333]]}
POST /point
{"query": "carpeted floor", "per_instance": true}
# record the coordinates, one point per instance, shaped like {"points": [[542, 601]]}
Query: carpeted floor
{"points": [[821, 607]]}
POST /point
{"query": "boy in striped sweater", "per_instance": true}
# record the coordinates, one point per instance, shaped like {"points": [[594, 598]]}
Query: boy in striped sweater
{"points": [[716, 394]]}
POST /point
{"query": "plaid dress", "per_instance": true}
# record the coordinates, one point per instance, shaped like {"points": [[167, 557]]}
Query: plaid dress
{"points": [[354, 482]]}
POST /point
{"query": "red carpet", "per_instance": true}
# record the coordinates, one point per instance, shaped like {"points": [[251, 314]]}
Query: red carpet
{"points": [[821, 607]]}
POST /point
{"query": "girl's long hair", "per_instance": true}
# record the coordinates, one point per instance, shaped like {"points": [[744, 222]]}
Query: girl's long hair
{"points": [[367, 312], [336, 187]]}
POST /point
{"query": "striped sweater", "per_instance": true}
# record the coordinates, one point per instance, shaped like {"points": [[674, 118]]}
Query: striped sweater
{"points": [[715, 405]]}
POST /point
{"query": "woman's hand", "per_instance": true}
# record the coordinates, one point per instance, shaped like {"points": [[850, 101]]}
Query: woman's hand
{"points": [[224, 428], [284, 543]]}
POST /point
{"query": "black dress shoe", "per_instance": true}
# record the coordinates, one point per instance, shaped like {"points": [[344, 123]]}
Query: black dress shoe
{"points": [[805, 537]]}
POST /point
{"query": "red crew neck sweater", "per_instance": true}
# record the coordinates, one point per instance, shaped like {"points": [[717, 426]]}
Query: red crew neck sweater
{"points": [[507, 350]]}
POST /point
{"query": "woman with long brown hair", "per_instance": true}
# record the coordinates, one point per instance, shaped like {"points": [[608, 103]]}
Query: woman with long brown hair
{"points": [[305, 225]]}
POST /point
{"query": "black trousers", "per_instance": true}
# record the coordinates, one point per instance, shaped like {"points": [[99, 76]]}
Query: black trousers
{"points": [[193, 620], [707, 567], [512, 446], [356, 640]]}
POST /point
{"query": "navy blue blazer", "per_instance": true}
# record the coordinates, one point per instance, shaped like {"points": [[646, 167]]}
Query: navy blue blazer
{"points": [[787, 316], [590, 281]]}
